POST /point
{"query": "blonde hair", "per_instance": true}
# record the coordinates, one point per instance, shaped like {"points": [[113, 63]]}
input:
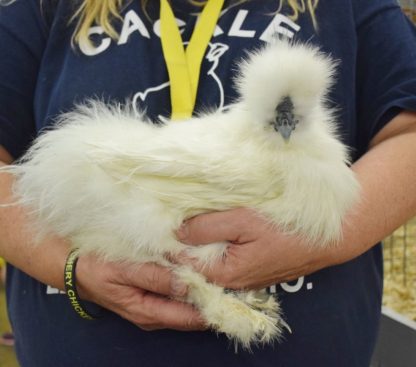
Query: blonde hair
{"points": [[103, 12]]}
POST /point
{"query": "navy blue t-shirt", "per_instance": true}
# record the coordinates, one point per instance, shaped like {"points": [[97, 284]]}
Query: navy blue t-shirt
{"points": [[333, 313]]}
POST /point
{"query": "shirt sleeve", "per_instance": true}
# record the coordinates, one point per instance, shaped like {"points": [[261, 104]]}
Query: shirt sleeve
{"points": [[386, 65], [23, 33]]}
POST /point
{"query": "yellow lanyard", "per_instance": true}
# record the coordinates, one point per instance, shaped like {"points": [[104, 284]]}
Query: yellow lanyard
{"points": [[184, 66]]}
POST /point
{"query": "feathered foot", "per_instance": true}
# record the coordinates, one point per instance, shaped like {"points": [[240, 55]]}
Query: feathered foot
{"points": [[245, 318]]}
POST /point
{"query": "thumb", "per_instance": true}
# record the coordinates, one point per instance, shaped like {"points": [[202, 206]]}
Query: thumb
{"points": [[212, 227]]}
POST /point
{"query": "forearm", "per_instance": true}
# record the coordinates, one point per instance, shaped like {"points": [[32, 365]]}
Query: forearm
{"points": [[388, 195], [44, 261]]}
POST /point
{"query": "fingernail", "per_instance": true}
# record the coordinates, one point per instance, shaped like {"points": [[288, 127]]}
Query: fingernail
{"points": [[182, 231], [178, 288]]}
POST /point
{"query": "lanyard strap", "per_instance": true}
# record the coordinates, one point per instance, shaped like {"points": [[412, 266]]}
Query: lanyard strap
{"points": [[184, 66]]}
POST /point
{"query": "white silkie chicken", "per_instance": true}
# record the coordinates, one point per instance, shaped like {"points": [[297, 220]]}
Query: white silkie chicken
{"points": [[119, 186]]}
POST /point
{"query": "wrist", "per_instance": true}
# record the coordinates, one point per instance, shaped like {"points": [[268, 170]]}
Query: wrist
{"points": [[81, 276], [71, 288]]}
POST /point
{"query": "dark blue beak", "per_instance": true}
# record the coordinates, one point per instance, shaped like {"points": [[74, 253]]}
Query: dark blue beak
{"points": [[285, 121]]}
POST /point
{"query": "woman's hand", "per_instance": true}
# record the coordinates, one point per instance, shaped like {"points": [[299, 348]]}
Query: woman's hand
{"points": [[138, 293], [259, 254]]}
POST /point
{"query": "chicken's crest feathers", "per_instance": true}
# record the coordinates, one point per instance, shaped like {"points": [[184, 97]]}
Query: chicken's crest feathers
{"points": [[285, 69]]}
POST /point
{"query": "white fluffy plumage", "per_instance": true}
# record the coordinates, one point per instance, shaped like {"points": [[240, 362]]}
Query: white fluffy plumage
{"points": [[119, 186]]}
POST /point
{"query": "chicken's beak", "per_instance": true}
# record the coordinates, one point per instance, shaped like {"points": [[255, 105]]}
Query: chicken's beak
{"points": [[285, 131], [284, 121], [284, 124]]}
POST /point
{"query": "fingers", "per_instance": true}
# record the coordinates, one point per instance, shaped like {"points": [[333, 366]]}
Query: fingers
{"points": [[143, 289], [215, 227], [152, 312], [130, 291], [153, 278]]}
